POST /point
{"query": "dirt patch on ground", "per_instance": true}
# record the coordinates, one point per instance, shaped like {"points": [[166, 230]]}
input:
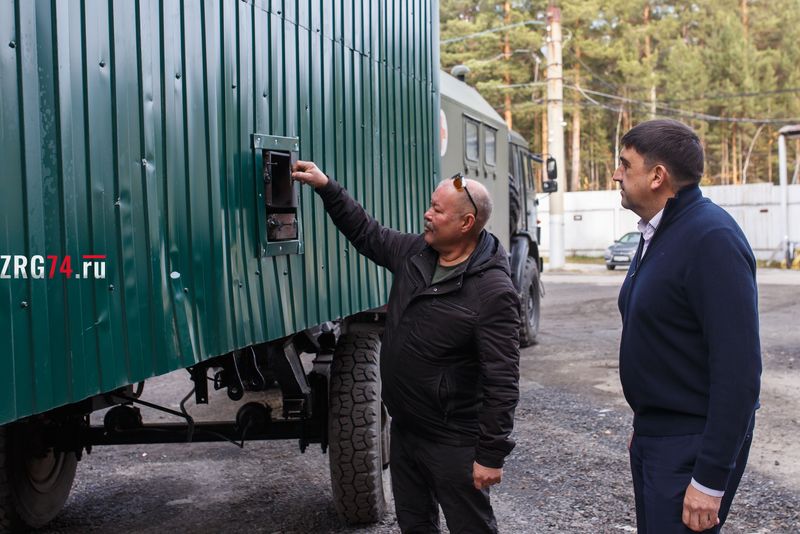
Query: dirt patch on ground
{"points": [[580, 315]]}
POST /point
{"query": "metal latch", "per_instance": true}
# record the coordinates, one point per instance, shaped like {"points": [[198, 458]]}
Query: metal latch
{"points": [[281, 226]]}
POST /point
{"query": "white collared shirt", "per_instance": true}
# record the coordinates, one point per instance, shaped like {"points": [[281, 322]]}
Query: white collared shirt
{"points": [[648, 229]]}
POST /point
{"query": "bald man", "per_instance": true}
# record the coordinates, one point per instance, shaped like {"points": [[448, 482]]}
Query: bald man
{"points": [[450, 352]]}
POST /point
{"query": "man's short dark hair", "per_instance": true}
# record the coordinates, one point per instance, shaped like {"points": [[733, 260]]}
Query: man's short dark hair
{"points": [[670, 143]]}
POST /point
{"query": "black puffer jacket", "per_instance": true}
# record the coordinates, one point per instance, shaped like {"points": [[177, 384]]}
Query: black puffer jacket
{"points": [[450, 353]]}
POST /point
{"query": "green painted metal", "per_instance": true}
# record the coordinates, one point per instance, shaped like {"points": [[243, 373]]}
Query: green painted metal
{"points": [[125, 130]]}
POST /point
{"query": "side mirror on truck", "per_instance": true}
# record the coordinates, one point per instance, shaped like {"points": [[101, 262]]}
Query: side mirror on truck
{"points": [[549, 186], [552, 169]]}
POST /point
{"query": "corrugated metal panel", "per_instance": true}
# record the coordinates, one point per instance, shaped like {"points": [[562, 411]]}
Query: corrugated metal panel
{"points": [[125, 131]]}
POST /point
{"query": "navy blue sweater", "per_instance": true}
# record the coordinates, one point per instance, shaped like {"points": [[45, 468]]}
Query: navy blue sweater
{"points": [[690, 358]]}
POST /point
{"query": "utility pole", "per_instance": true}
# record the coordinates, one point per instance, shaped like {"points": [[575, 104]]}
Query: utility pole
{"points": [[787, 132], [555, 133], [647, 55], [507, 54]]}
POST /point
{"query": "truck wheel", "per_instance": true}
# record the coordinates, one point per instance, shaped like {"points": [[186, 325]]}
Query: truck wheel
{"points": [[514, 203], [530, 300], [355, 429], [34, 485]]}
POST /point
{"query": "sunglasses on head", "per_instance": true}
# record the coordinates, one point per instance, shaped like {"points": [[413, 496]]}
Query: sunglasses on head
{"points": [[460, 184]]}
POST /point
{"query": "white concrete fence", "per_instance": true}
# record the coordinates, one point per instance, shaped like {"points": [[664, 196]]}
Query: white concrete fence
{"points": [[594, 219]]}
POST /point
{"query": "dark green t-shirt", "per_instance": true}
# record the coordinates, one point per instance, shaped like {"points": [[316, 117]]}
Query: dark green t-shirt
{"points": [[443, 272]]}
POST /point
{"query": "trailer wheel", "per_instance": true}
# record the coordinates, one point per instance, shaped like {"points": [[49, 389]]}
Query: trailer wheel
{"points": [[33, 485], [355, 429], [530, 300]]}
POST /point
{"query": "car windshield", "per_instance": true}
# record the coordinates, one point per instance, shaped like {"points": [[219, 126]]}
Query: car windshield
{"points": [[630, 237]]}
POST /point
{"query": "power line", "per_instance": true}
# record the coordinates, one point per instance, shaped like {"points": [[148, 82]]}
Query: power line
{"points": [[735, 95], [717, 96], [493, 30], [519, 85], [675, 111], [666, 110], [597, 76]]}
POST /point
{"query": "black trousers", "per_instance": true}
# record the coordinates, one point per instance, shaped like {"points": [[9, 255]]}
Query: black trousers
{"points": [[427, 474], [662, 469]]}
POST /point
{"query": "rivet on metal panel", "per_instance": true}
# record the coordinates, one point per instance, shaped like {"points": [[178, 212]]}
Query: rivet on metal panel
{"points": [[111, 287], [258, 141], [102, 63], [23, 304], [264, 94], [241, 284], [285, 273], [178, 75], [144, 162], [185, 289], [174, 275], [233, 86], [279, 12], [258, 273], [276, 141], [12, 44]]}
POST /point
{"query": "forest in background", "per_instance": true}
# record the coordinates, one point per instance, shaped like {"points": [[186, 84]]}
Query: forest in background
{"points": [[728, 68]]}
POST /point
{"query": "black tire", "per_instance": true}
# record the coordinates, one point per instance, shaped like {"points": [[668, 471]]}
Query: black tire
{"points": [[514, 203], [530, 303], [356, 429], [610, 267], [33, 487]]}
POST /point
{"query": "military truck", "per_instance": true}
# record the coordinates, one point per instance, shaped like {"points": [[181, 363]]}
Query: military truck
{"points": [[475, 141]]}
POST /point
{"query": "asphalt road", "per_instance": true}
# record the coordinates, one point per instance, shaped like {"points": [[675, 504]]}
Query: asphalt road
{"points": [[569, 472]]}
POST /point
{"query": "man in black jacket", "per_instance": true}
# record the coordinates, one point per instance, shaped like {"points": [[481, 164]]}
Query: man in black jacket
{"points": [[450, 352], [690, 360]]}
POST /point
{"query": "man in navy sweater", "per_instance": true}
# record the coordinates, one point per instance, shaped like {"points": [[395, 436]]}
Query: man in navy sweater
{"points": [[690, 359]]}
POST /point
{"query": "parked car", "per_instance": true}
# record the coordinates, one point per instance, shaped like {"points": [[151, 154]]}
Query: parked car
{"points": [[621, 252]]}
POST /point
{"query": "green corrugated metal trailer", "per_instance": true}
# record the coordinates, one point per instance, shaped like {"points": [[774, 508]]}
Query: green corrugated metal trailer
{"points": [[148, 222]]}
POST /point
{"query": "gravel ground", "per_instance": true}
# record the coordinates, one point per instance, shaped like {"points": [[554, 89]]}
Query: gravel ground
{"points": [[569, 472]]}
